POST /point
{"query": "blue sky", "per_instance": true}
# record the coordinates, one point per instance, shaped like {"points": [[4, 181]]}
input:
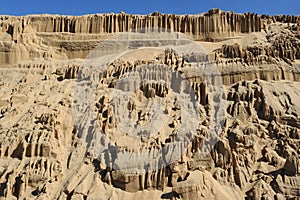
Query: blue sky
{"points": [[80, 7]]}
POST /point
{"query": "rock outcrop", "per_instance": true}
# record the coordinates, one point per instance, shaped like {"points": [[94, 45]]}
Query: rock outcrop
{"points": [[43, 154]]}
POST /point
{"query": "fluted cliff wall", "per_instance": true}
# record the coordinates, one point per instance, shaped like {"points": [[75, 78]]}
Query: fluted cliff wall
{"points": [[213, 24], [55, 37], [257, 153]]}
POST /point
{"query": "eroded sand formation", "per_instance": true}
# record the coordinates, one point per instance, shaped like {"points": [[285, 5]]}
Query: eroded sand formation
{"points": [[257, 153]]}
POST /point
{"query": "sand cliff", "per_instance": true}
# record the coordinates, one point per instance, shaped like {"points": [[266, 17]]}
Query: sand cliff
{"points": [[256, 155]]}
